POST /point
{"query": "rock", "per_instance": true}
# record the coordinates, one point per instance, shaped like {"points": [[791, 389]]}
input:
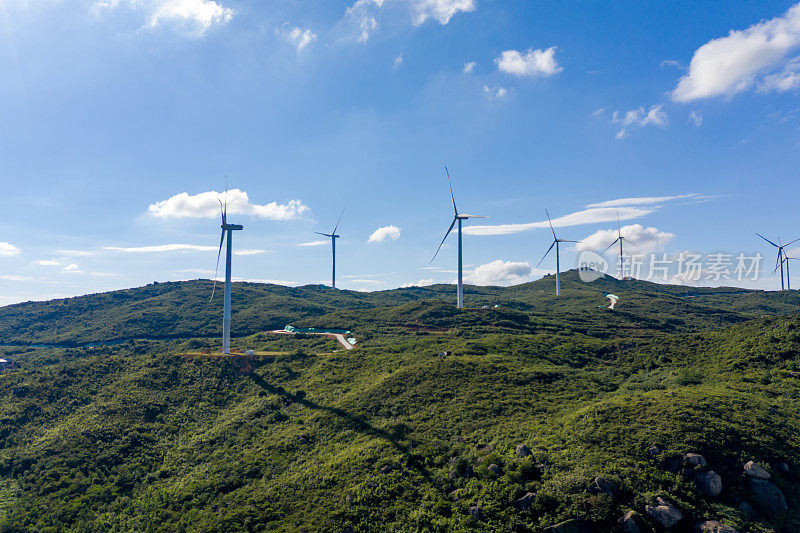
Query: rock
{"points": [[487, 448], [695, 460], [633, 522], [349, 498], [494, 469], [664, 512], [524, 503], [386, 469], [523, 451], [348, 529], [712, 526], [779, 466], [747, 510], [542, 468], [768, 497], [601, 485], [570, 526], [654, 451], [303, 439], [475, 512], [756, 471], [709, 483]]}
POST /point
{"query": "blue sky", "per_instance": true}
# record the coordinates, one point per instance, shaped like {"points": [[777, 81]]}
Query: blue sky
{"points": [[121, 121]]}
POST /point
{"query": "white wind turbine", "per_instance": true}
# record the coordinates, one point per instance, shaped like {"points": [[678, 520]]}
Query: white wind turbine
{"points": [[226, 314], [556, 241], [333, 236], [457, 217]]}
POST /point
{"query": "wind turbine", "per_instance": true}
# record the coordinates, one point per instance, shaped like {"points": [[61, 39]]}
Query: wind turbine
{"points": [[619, 240], [457, 217], [787, 259], [226, 315], [781, 255], [333, 238], [556, 241]]}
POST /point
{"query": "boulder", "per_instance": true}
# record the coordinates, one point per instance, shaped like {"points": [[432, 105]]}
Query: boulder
{"points": [[709, 483], [570, 526], [747, 510], [601, 485], [386, 469], [495, 469], [712, 526], [767, 497], [525, 503], [633, 522], [654, 451], [475, 512], [695, 460], [664, 512], [779, 466], [523, 451], [349, 498], [756, 471]]}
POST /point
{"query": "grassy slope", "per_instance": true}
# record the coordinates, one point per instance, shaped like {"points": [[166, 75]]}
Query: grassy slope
{"points": [[133, 437]]}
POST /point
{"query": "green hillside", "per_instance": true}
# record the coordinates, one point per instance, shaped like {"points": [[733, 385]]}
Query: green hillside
{"points": [[153, 435]]}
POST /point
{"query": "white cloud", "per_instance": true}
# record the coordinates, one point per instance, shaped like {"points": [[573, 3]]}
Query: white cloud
{"points": [[48, 262], [162, 248], [361, 12], [495, 93], [297, 37], [645, 239], [672, 63], [249, 252], [592, 215], [655, 116], [531, 63], [696, 118], [500, 272], [398, 59], [8, 249], [425, 282], [193, 17], [313, 243], [206, 205], [386, 232], [469, 67], [440, 10], [72, 267], [15, 277], [645, 200], [75, 253], [734, 63]]}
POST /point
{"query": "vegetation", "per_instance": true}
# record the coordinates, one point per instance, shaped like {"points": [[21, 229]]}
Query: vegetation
{"points": [[155, 435]]}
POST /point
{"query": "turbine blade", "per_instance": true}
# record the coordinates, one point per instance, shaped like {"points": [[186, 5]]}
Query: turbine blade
{"points": [[545, 254], [551, 224], [788, 243], [779, 260], [612, 244], [216, 270], [337, 222], [445, 238], [769, 241], [323, 234], [471, 216], [567, 240], [619, 227], [450, 184]]}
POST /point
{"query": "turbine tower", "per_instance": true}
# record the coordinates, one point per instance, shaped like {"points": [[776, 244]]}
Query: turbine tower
{"points": [[556, 241], [333, 236], [227, 231], [619, 240], [781, 255], [457, 217], [787, 259]]}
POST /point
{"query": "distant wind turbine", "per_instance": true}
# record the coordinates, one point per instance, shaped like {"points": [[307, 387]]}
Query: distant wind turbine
{"points": [[619, 240], [333, 236], [556, 241], [226, 315], [457, 217], [787, 259], [780, 260]]}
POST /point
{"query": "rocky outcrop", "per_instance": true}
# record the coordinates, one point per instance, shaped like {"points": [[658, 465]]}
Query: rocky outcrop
{"points": [[709, 483], [767, 497], [495, 469], [525, 503], [664, 512], [695, 460], [712, 526], [756, 471], [475, 512], [601, 485], [633, 522], [522, 450]]}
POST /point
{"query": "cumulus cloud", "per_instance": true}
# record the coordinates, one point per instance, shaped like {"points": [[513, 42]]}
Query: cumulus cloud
{"points": [[638, 117], [440, 10], [530, 63], [425, 282], [313, 243], [645, 239], [8, 249], [193, 17], [386, 232], [162, 248], [495, 93], [469, 67], [363, 14], [206, 205], [500, 272], [72, 267], [738, 61], [297, 37], [48, 262]]}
